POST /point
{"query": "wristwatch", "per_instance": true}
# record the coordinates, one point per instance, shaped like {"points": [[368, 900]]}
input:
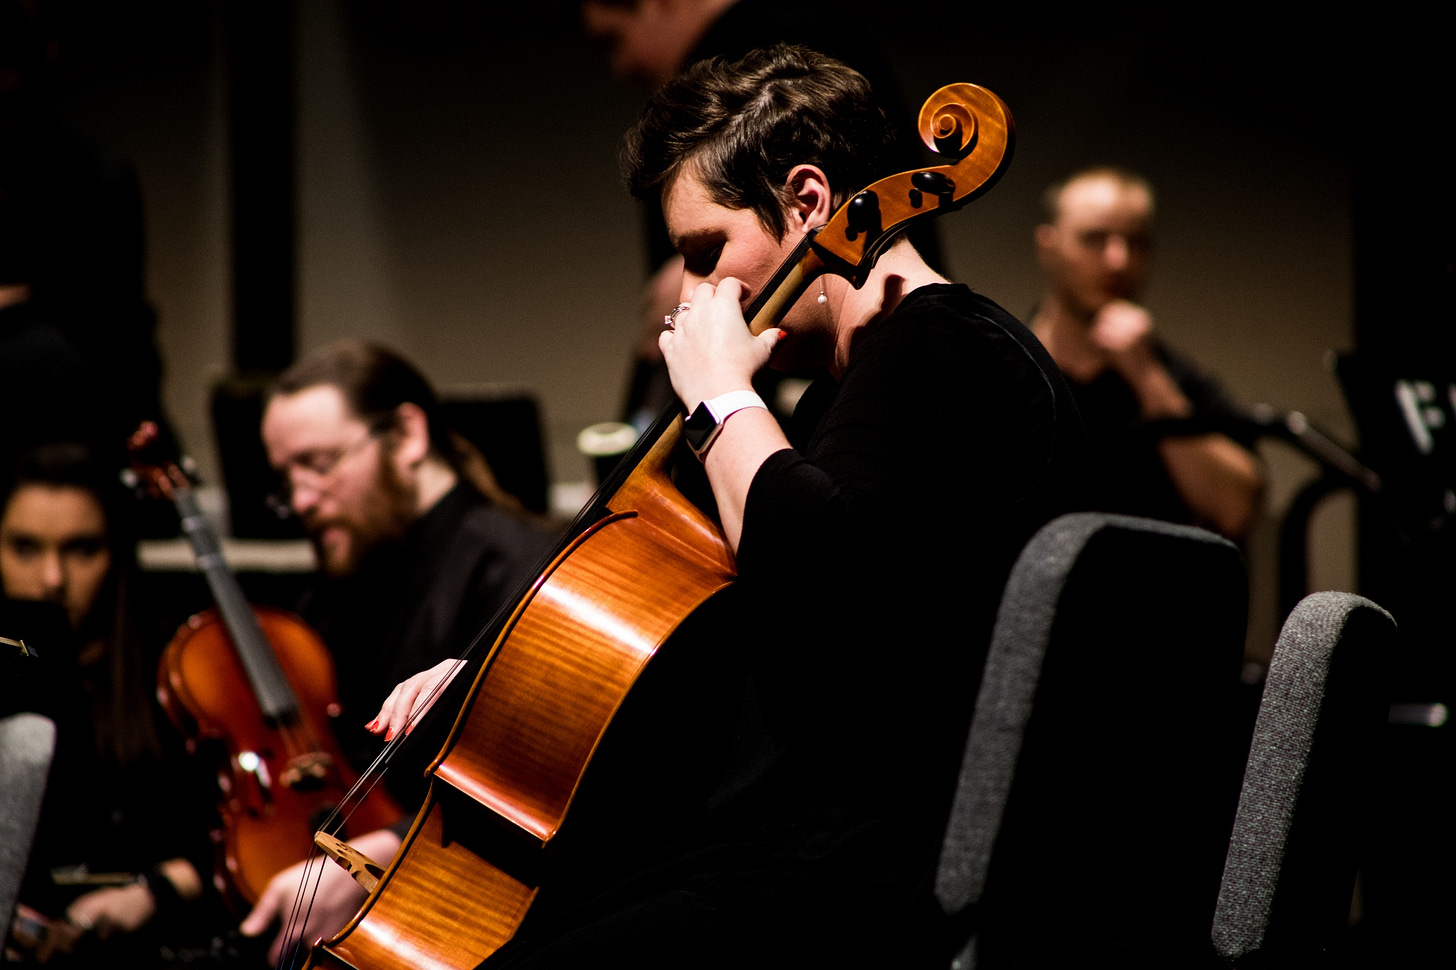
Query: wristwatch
{"points": [[703, 426]]}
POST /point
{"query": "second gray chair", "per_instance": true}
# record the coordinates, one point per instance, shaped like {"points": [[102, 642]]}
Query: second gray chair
{"points": [[1291, 862]]}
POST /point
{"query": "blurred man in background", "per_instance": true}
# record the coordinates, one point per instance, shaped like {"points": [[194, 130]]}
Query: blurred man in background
{"points": [[1168, 442]]}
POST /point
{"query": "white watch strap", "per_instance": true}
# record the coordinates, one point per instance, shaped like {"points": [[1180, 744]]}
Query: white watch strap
{"points": [[726, 404]]}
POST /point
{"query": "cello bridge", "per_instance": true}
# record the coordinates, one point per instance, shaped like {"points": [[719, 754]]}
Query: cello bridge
{"points": [[366, 871]]}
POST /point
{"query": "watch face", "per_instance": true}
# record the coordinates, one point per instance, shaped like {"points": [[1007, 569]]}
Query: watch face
{"points": [[698, 428]]}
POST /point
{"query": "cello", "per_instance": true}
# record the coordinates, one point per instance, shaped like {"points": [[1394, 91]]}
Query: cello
{"points": [[260, 681], [634, 565]]}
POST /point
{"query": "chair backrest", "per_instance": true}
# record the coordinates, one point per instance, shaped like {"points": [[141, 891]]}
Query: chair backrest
{"points": [[27, 742], [1291, 862], [1100, 774]]}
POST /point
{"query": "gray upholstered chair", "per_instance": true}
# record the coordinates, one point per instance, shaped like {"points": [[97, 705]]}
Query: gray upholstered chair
{"points": [[1101, 772], [1291, 862], [27, 742]]}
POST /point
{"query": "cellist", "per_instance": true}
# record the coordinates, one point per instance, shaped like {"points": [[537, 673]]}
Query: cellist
{"points": [[871, 548]]}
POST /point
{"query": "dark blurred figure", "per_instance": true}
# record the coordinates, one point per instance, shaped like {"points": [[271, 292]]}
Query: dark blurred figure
{"points": [[81, 217], [122, 850], [1168, 442], [49, 390]]}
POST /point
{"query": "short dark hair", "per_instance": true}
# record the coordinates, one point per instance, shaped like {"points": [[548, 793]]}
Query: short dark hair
{"points": [[122, 689], [743, 125], [374, 382], [1051, 196]]}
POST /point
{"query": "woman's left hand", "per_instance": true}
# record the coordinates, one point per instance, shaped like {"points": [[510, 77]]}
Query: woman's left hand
{"points": [[411, 698], [709, 351]]}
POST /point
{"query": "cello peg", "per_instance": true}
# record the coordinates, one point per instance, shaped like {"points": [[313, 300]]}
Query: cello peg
{"points": [[864, 216], [934, 183]]}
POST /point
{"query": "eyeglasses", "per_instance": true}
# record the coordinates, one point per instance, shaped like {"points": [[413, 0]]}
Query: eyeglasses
{"points": [[312, 470]]}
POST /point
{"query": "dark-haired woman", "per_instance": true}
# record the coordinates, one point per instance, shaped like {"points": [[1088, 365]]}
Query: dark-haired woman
{"points": [[122, 839]]}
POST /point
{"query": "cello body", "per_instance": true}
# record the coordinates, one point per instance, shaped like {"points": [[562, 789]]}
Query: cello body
{"points": [[547, 691]]}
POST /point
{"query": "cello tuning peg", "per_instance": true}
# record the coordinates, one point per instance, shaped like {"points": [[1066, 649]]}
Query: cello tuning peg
{"points": [[934, 183], [864, 215]]}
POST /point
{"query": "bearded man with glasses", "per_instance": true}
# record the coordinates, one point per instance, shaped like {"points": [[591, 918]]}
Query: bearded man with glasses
{"points": [[413, 558]]}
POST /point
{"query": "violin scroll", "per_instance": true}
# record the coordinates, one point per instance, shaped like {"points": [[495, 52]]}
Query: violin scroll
{"points": [[152, 473]]}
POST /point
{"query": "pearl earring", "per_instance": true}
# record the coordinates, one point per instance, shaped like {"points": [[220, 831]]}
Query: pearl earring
{"points": [[822, 298]]}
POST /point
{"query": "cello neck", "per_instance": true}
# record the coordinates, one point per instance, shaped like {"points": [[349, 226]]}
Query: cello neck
{"points": [[802, 267]]}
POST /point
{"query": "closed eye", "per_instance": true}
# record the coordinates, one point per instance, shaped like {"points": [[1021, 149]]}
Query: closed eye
{"points": [[700, 259]]}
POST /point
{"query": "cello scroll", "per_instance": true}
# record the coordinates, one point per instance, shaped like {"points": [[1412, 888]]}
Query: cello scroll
{"points": [[962, 122]]}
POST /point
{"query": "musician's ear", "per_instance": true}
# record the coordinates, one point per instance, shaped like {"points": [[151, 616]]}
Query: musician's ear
{"points": [[811, 201], [411, 433]]}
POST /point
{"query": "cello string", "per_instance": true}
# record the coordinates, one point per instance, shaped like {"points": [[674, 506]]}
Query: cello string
{"points": [[288, 955], [338, 818], [371, 776], [418, 711]]}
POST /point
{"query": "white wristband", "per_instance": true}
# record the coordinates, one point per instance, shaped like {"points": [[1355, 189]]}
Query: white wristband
{"points": [[725, 404]]}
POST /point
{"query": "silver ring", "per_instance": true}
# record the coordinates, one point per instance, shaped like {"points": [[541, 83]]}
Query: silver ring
{"points": [[670, 321]]}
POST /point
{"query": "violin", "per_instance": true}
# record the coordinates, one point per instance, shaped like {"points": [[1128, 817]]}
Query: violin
{"points": [[636, 562], [260, 681]]}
